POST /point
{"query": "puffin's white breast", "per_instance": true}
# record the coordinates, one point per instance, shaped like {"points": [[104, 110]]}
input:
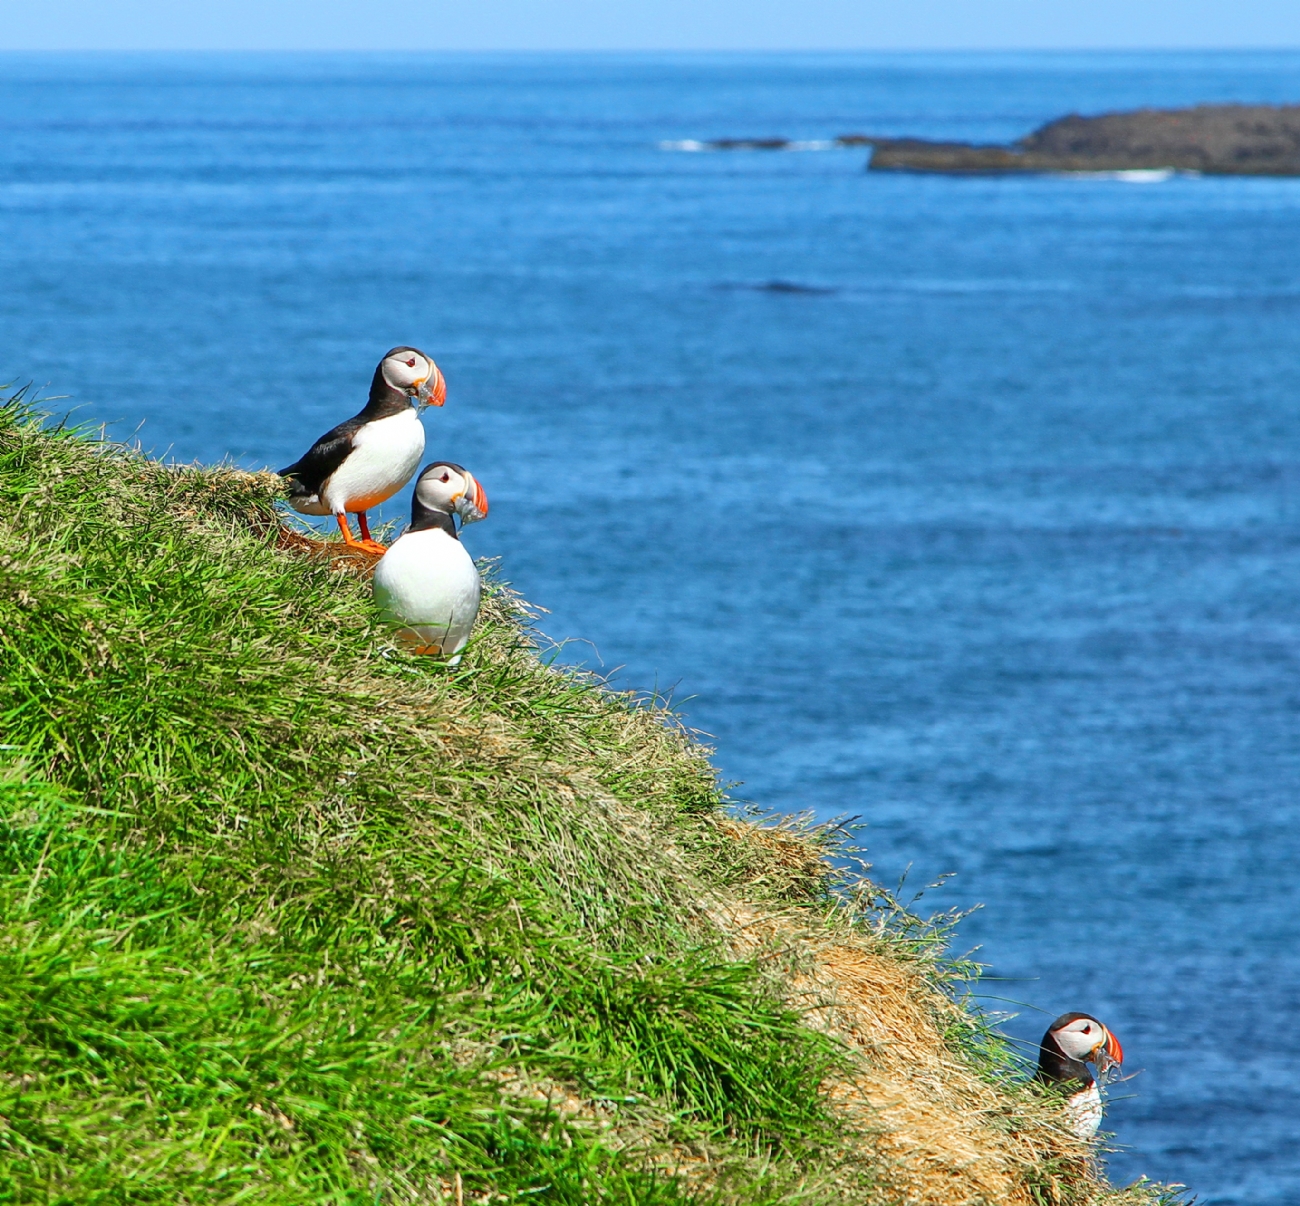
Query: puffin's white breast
{"points": [[385, 453], [428, 583], [1084, 1109]]}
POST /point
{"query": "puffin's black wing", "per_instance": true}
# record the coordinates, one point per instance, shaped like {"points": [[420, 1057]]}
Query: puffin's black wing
{"points": [[313, 469]]}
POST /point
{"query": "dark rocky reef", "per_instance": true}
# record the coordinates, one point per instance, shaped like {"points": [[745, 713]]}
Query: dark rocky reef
{"points": [[749, 144], [1233, 140]]}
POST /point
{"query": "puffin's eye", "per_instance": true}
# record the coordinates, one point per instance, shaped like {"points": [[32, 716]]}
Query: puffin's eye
{"points": [[444, 478], [411, 363]]}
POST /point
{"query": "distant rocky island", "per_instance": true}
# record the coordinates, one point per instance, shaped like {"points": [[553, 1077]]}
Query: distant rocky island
{"points": [[1233, 140]]}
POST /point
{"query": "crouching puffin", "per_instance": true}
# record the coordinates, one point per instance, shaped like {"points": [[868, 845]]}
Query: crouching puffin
{"points": [[1071, 1042], [360, 463], [427, 582]]}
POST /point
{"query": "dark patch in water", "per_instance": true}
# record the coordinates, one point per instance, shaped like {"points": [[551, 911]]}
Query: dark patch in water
{"points": [[780, 286], [747, 144]]}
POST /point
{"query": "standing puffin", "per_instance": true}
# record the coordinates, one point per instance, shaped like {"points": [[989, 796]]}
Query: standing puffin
{"points": [[426, 581], [360, 463], [1070, 1043]]}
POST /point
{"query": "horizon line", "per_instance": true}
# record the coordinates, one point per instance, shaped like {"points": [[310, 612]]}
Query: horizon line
{"points": [[661, 50]]}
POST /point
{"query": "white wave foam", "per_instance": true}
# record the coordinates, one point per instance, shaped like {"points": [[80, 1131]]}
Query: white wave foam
{"points": [[1134, 175]]}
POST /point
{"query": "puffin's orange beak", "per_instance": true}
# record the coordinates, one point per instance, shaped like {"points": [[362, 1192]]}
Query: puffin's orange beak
{"points": [[480, 499], [438, 394]]}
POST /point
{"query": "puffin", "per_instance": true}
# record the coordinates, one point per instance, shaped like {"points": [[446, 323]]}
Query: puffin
{"points": [[371, 456], [1071, 1042], [426, 581]]}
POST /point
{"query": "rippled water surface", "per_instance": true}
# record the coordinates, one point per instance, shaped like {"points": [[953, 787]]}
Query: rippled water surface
{"points": [[967, 506]]}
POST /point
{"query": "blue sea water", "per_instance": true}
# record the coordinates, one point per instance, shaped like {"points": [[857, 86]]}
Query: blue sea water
{"points": [[988, 535]]}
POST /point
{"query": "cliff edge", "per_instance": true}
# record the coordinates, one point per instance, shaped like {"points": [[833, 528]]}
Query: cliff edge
{"points": [[289, 916]]}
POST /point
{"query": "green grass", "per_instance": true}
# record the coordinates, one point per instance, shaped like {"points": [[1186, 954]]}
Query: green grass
{"points": [[288, 916], [152, 1058]]}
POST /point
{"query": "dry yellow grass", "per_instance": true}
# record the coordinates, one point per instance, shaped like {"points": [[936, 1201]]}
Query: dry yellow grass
{"points": [[934, 1130]]}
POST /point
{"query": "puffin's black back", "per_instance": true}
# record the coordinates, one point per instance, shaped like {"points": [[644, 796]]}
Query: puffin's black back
{"points": [[309, 473], [1054, 1066]]}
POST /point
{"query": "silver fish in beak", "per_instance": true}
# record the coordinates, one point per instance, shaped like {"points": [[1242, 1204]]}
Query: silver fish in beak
{"points": [[432, 391], [473, 504]]}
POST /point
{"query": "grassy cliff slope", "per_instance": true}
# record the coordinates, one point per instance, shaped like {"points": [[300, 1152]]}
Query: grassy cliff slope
{"points": [[288, 916]]}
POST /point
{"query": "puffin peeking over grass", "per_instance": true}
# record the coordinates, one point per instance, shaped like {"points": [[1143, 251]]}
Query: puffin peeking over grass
{"points": [[1071, 1042], [427, 582], [371, 456]]}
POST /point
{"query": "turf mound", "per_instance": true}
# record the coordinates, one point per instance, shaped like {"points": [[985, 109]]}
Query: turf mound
{"points": [[290, 916]]}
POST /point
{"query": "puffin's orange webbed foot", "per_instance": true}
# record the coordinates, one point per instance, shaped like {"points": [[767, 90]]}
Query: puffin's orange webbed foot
{"points": [[365, 545], [428, 650]]}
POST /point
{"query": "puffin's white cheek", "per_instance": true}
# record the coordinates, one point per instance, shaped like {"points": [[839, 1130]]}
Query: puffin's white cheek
{"points": [[398, 375], [1075, 1044]]}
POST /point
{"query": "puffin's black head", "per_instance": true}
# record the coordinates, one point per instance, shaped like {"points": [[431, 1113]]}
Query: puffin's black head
{"points": [[443, 488], [1071, 1043], [409, 373]]}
